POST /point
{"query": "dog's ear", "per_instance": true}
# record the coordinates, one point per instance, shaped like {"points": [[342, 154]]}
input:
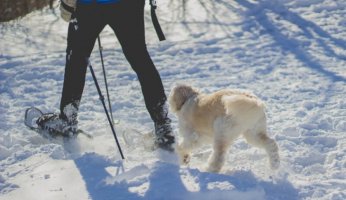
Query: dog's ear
{"points": [[179, 95]]}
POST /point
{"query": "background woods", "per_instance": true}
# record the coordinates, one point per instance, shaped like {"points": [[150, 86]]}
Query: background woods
{"points": [[12, 9]]}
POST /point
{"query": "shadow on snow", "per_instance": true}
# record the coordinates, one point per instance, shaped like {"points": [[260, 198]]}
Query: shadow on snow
{"points": [[258, 11], [165, 182]]}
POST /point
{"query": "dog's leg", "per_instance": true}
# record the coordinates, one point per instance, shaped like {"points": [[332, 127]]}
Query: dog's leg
{"points": [[224, 135], [218, 156], [188, 143], [185, 148], [261, 139]]}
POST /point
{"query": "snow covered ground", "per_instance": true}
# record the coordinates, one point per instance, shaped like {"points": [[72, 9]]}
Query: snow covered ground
{"points": [[290, 53]]}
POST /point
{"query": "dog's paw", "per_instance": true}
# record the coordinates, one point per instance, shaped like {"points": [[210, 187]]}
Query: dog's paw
{"points": [[213, 168], [274, 163], [185, 159]]}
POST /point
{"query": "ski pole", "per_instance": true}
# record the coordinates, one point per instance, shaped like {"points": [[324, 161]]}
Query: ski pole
{"points": [[104, 106], [105, 78]]}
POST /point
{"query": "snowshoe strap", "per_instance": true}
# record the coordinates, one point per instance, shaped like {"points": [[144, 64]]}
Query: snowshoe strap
{"points": [[156, 23]]}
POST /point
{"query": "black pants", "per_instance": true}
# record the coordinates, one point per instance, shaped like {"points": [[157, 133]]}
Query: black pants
{"points": [[126, 18]]}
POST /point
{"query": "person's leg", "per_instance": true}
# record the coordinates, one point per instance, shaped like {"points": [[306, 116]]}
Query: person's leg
{"points": [[84, 28], [127, 21]]}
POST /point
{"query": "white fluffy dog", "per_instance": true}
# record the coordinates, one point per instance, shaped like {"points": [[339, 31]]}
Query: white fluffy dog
{"points": [[220, 118]]}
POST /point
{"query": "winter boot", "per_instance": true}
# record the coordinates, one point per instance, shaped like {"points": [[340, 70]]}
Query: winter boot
{"points": [[55, 125], [164, 135]]}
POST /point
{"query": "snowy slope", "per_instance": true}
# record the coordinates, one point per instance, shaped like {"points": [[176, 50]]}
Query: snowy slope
{"points": [[292, 54]]}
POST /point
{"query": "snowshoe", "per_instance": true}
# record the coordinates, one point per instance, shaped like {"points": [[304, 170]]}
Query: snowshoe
{"points": [[51, 124]]}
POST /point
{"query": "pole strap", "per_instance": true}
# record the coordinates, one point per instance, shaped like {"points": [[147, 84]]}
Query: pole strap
{"points": [[155, 21]]}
